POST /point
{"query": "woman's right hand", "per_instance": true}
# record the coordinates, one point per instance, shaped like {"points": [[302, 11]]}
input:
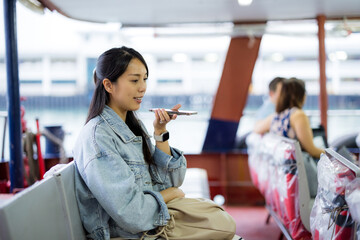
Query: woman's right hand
{"points": [[172, 193], [162, 118]]}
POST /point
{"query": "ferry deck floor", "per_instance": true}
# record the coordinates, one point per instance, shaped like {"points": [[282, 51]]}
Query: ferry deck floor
{"points": [[251, 223]]}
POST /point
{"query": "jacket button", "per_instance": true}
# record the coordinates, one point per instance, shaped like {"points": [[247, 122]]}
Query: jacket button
{"points": [[147, 182]]}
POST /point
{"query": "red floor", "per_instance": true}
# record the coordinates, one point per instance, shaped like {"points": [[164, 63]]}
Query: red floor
{"points": [[250, 223]]}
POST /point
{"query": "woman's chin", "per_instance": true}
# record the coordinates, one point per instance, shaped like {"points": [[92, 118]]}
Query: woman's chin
{"points": [[135, 108]]}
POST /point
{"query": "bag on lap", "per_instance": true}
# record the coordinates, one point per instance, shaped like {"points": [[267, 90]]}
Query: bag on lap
{"points": [[196, 218]]}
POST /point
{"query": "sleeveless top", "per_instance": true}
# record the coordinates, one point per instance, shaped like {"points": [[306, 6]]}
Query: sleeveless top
{"points": [[280, 124]]}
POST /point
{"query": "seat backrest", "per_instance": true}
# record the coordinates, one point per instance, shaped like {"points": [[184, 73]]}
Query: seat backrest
{"points": [[352, 196], [66, 184], [330, 215], [46, 210], [34, 213], [278, 167], [293, 176]]}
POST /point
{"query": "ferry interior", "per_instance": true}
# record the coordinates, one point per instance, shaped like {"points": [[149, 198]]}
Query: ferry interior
{"points": [[214, 57]]}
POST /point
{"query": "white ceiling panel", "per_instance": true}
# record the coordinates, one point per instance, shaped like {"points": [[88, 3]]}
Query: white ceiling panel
{"points": [[165, 12]]}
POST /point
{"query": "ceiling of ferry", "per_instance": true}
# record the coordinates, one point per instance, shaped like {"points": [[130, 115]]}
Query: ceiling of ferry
{"points": [[154, 13]]}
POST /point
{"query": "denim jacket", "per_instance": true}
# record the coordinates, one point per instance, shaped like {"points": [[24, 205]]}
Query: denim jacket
{"points": [[117, 191]]}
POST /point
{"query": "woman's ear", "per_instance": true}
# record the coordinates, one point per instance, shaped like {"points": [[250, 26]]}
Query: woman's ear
{"points": [[107, 85]]}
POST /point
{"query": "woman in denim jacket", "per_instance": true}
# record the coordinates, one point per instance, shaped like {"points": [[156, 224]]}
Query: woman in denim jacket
{"points": [[122, 181]]}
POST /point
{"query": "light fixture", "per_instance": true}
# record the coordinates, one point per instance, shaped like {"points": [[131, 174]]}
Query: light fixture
{"points": [[245, 2], [179, 57], [341, 55], [211, 57], [338, 55], [277, 57]]}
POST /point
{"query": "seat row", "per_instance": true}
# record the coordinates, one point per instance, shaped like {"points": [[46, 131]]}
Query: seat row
{"points": [[277, 169]]}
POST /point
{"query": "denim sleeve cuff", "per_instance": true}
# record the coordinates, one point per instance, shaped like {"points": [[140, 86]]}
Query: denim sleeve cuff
{"points": [[176, 153], [164, 215], [166, 161]]}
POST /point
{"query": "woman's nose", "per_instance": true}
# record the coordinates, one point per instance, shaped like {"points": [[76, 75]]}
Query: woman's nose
{"points": [[142, 87]]}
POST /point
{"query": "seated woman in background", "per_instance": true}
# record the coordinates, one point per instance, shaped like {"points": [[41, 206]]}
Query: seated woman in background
{"points": [[291, 121]]}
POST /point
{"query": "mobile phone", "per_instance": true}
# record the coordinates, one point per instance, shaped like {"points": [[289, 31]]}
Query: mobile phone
{"points": [[179, 112]]}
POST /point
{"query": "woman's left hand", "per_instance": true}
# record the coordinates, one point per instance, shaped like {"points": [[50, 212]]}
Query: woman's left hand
{"points": [[162, 118]]}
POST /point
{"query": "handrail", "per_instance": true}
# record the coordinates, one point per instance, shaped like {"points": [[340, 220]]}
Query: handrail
{"points": [[305, 204], [331, 153]]}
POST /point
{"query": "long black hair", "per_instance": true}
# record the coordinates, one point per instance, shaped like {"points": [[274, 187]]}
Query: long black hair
{"points": [[111, 65]]}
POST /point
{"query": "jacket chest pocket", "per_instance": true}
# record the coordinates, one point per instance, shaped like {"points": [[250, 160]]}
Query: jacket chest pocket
{"points": [[134, 157]]}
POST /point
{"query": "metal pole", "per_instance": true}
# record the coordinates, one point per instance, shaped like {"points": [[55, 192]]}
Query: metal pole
{"points": [[323, 98], [13, 96]]}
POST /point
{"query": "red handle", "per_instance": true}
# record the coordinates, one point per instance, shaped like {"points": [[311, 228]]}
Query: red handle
{"points": [[40, 158]]}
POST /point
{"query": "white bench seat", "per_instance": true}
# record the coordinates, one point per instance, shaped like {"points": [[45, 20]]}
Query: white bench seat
{"points": [[46, 210], [49, 210]]}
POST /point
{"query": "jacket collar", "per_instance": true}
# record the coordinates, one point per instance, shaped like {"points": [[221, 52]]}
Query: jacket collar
{"points": [[118, 125]]}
